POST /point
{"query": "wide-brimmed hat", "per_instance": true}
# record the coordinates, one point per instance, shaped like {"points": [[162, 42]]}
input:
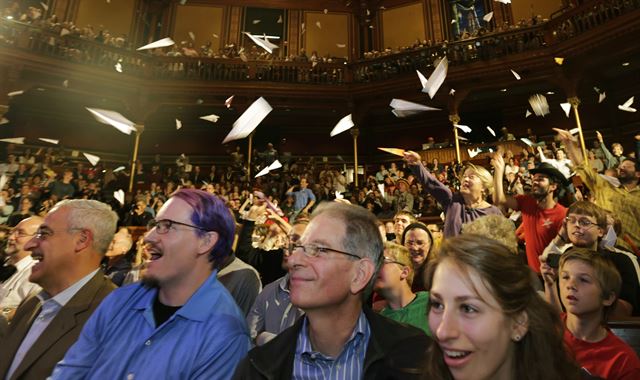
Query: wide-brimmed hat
{"points": [[551, 172]]}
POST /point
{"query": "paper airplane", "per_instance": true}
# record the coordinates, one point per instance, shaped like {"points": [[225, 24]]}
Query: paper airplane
{"points": [[436, 79], [574, 131], [192, 36], [344, 124], [325, 11], [216, 36], [14, 140], [262, 172], [249, 120], [454, 21], [488, 17], [279, 19], [4, 121], [559, 60], [118, 169], [516, 75], [539, 105], [394, 151], [423, 79], [473, 152], [64, 32], [462, 138], [381, 188], [463, 128], [491, 131], [119, 196], [178, 124], [15, 93], [526, 141], [452, 92], [566, 107], [527, 114], [212, 118], [274, 165], [302, 28], [615, 182], [228, 101], [627, 106], [341, 46], [158, 44], [51, 141], [65, 83], [515, 216], [318, 24], [93, 159], [118, 67], [113, 119], [339, 195], [402, 108], [601, 96], [255, 22], [3, 181], [263, 43], [504, 1]]}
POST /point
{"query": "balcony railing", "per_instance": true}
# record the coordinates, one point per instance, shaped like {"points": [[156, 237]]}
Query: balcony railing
{"points": [[72, 48]]}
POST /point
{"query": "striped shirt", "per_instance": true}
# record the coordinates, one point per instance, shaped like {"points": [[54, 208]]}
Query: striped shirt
{"points": [[310, 365]]}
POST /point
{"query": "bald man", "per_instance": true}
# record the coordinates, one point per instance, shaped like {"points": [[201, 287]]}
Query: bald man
{"points": [[17, 287]]}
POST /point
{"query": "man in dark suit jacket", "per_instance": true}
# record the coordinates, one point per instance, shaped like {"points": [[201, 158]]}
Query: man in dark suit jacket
{"points": [[69, 246]]}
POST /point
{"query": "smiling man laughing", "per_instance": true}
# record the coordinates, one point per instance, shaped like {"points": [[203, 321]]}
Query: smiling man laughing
{"points": [[180, 322]]}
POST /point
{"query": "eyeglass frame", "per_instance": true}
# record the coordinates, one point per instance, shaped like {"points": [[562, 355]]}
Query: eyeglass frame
{"points": [[317, 250], [20, 233], [153, 224], [389, 260], [579, 222]]}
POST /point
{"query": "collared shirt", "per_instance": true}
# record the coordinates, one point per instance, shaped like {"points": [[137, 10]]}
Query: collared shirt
{"points": [[272, 311], [624, 204], [204, 339], [17, 287], [310, 364], [302, 197], [50, 306]]}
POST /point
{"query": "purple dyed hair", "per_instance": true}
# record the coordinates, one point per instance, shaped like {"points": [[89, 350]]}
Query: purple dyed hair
{"points": [[211, 214]]}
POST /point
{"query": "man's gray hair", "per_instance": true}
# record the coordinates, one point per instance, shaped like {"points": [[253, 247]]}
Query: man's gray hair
{"points": [[362, 236], [97, 217]]}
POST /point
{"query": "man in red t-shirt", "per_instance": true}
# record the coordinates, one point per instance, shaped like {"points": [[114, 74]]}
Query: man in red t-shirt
{"points": [[542, 216]]}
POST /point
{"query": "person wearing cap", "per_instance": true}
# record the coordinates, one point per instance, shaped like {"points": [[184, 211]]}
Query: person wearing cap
{"points": [[179, 322], [465, 205], [542, 216], [403, 201]]}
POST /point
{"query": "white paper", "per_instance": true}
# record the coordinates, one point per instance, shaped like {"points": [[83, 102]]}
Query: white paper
{"points": [[228, 101], [262, 172], [3, 181], [119, 196], [249, 120], [404, 105], [4, 120], [118, 67], [627, 106], [437, 78], [504, 1], [602, 96], [344, 124], [488, 17], [574, 131], [14, 140], [113, 119], [118, 169], [381, 188], [192, 36], [212, 118], [92, 158], [15, 93], [473, 152], [526, 141], [318, 24], [51, 141], [279, 19], [539, 105], [516, 75], [491, 131], [341, 46], [158, 44], [463, 128], [275, 165], [566, 107], [527, 114], [452, 92], [178, 124]]}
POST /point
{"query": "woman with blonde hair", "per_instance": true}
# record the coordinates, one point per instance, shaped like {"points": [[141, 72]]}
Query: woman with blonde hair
{"points": [[465, 205], [487, 320]]}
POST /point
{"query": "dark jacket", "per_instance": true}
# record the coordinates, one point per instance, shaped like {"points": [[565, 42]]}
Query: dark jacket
{"points": [[395, 351]]}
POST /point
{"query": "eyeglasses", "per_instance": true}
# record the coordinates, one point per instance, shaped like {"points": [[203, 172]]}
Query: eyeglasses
{"points": [[582, 222], [19, 233], [162, 226], [312, 250], [389, 260]]}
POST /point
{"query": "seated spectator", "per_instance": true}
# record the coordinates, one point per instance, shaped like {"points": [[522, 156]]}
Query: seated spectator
{"points": [[584, 227], [118, 263], [487, 319], [332, 269], [589, 287], [181, 323], [394, 285], [25, 211], [68, 247], [400, 221], [418, 240]]}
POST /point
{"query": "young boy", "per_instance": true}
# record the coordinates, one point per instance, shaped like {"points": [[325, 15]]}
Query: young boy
{"points": [[589, 287]]}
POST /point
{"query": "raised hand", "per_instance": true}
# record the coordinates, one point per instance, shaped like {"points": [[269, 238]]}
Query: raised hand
{"points": [[411, 157]]}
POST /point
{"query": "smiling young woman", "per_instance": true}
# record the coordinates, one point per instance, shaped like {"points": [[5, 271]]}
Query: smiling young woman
{"points": [[487, 319]]}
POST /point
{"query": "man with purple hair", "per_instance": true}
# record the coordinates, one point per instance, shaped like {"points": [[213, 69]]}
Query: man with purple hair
{"points": [[180, 322]]}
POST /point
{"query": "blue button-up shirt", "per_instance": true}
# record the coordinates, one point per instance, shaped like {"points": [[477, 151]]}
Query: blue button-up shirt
{"points": [[311, 365], [204, 339]]}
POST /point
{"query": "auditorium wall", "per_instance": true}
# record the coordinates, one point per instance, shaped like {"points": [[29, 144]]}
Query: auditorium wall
{"points": [[116, 15], [527, 9], [401, 26], [333, 31], [203, 21]]}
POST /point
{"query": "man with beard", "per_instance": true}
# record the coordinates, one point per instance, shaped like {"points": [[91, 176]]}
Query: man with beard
{"points": [[180, 322], [622, 201], [584, 227], [67, 247], [542, 216], [17, 287]]}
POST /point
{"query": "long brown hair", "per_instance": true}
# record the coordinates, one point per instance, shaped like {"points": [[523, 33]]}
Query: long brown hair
{"points": [[540, 354]]}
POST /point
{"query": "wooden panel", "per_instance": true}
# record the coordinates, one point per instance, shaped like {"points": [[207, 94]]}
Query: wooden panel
{"points": [[203, 21], [115, 16], [524, 10], [334, 30], [403, 25]]}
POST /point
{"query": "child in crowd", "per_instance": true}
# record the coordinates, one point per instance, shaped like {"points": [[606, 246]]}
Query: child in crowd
{"points": [[589, 287]]}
